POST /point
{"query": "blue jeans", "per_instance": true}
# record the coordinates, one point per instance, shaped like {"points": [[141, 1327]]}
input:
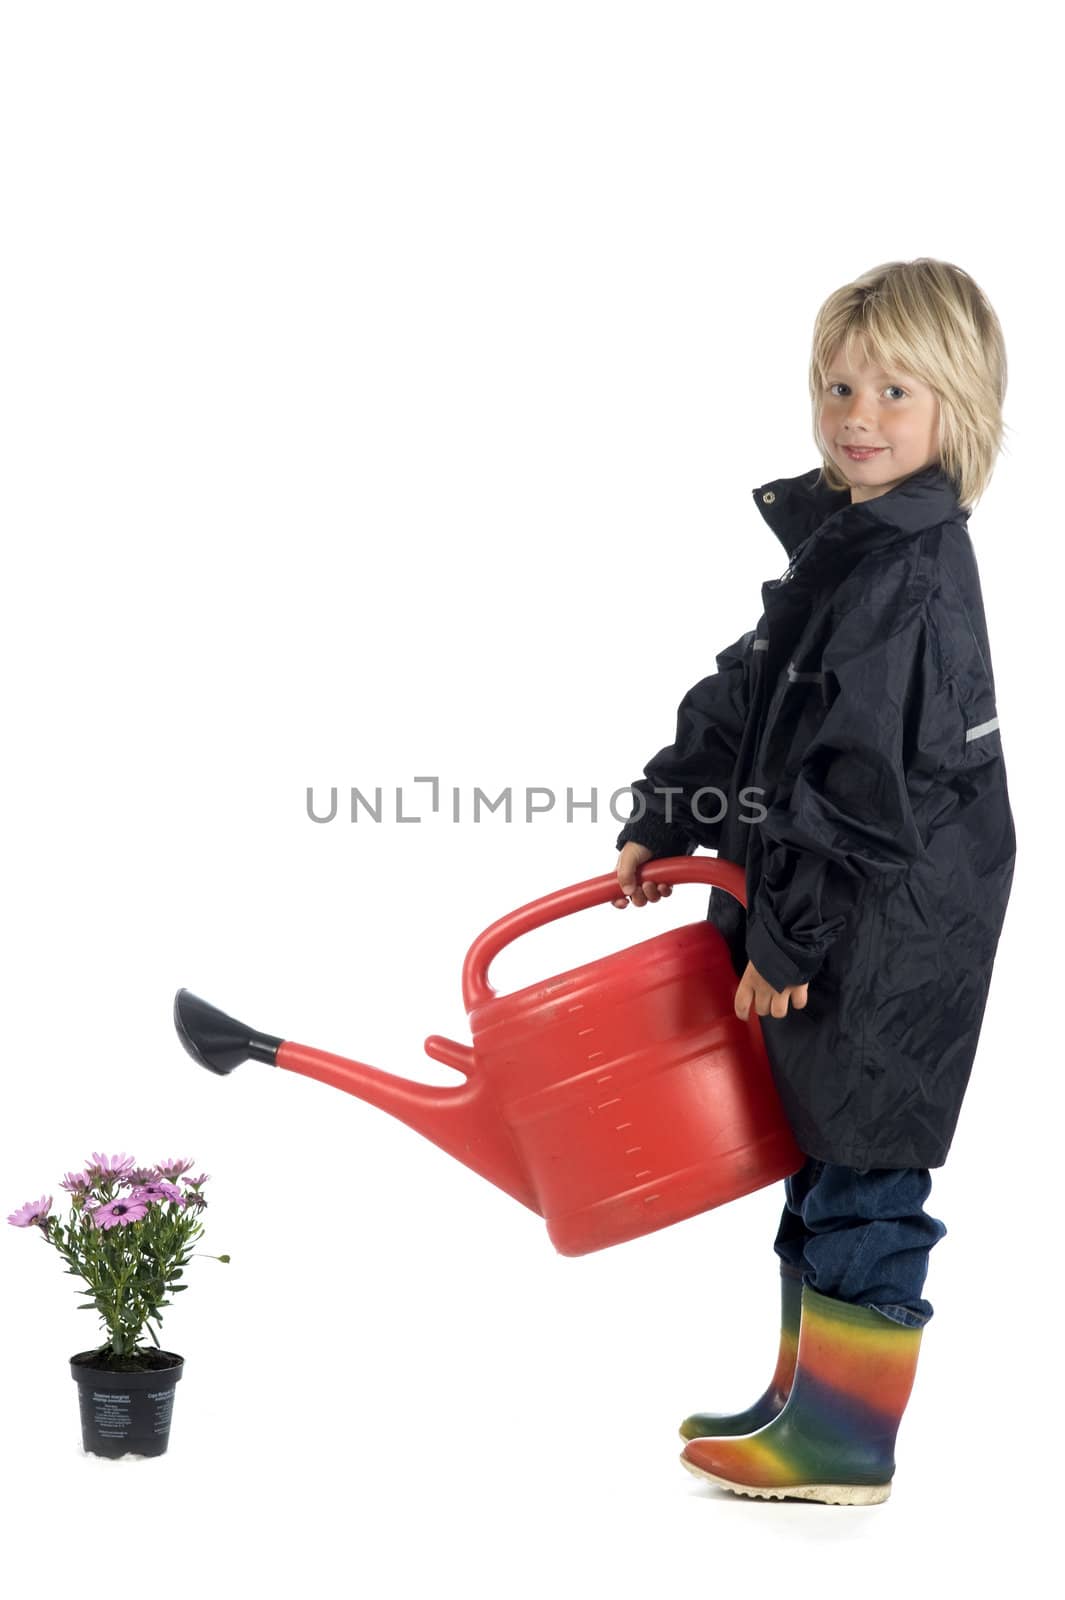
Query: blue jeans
{"points": [[861, 1236]]}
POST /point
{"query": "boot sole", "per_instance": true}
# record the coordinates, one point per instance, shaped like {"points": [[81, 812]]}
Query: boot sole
{"points": [[835, 1494]]}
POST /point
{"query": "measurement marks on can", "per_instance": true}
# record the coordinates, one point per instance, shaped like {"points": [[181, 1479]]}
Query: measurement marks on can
{"points": [[607, 1077]]}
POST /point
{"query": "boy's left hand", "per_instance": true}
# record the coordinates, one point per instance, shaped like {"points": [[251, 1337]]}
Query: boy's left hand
{"points": [[768, 1002]]}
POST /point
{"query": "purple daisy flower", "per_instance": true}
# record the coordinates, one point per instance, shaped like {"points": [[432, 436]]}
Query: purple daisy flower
{"points": [[197, 1183], [141, 1175], [172, 1169], [103, 1167], [116, 1212], [33, 1211], [159, 1190], [76, 1183]]}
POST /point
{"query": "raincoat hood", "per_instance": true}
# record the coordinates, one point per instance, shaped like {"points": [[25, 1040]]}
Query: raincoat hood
{"points": [[804, 509]]}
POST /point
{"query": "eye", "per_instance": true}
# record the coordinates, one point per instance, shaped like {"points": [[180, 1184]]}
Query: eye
{"points": [[896, 386]]}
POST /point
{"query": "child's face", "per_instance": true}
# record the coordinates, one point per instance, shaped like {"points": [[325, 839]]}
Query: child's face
{"points": [[862, 405]]}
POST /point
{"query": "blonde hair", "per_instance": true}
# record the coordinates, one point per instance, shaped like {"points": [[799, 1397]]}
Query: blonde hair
{"points": [[931, 319]]}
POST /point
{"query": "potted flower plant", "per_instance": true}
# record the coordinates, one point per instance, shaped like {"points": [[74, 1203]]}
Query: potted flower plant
{"points": [[129, 1237]]}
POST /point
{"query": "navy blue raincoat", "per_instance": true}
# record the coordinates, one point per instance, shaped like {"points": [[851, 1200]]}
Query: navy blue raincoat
{"points": [[851, 755]]}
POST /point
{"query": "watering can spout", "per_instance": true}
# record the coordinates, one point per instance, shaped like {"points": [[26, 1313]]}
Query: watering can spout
{"points": [[462, 1120]]}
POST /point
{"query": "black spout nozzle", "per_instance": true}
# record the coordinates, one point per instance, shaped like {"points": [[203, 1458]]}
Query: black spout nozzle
{"points": [[217, 1041]]}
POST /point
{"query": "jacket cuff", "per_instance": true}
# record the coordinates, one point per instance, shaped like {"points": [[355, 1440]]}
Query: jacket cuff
{"points": [[664, 838], [773, 961]]}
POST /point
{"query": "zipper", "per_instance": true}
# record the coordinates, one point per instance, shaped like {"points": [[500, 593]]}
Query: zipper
{"points": [[796, 556]]}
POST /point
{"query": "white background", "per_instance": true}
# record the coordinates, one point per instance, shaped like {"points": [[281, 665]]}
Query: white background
{"points": [[383, 391]]}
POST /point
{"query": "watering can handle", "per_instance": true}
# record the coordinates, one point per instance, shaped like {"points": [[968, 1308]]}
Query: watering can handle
{"points": [[578, 897]]}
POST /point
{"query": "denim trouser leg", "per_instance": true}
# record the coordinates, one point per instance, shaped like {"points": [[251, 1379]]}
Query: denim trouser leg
{"points": [[861, 1236]]}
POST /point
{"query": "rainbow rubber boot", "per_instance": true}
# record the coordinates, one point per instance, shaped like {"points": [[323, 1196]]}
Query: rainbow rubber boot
{"points": [[708, 1424], [834, 1441]]}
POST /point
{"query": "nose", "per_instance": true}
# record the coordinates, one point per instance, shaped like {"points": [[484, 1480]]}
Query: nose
{"points": [[857, 416]]}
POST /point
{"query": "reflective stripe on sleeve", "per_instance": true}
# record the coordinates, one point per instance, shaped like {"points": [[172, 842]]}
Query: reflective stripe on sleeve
{"points": [[980, 729], [804, 677]]}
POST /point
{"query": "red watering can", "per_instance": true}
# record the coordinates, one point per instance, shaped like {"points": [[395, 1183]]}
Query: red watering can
{"points": [[613, 1100]]}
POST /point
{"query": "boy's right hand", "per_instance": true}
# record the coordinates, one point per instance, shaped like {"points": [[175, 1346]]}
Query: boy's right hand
{"points": [[632, 856]]}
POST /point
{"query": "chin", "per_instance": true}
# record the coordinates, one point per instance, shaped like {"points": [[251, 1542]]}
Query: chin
{"points": [[870, 472]]}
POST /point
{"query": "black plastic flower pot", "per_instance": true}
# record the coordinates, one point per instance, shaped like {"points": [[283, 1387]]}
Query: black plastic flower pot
{"points": [[126, 1413]]}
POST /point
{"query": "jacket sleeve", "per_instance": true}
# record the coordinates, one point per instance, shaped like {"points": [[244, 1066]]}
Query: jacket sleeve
{"points": [[848, 819], [710, 723]]}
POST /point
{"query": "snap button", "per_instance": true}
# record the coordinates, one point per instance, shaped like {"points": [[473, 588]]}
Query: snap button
{"points": [[768, 497]]}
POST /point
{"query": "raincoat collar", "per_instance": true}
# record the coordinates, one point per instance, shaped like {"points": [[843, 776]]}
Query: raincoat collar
{"points": [[798, 508]]}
